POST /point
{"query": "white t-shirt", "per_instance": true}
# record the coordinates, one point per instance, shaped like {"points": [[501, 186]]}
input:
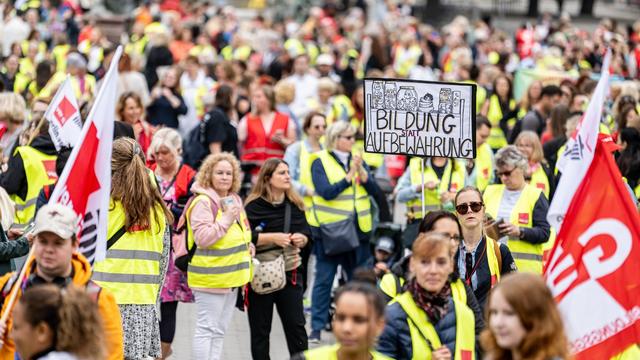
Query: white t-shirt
{"points": [[509, 200]]}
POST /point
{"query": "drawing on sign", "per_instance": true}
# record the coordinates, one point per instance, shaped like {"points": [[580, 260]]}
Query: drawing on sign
{"points": [[416, 118]]}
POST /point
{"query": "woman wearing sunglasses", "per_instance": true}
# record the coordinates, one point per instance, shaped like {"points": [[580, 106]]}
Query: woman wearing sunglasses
{"points": [[481, 260], [520, 210]]}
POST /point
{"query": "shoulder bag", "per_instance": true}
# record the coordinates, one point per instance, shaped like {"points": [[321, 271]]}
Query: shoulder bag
{"points": [[270, 276], [341, 236]]}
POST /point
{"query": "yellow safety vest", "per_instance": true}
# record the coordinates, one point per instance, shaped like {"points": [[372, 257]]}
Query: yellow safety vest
{"points": [[494, 268], [484, 166], [137, 45], [342, 207], [631, 353], [330, 352], [458, 291], [431, 198], [421, 329], [540, 180], [27, 67], [21, 83], [59, 53], [89, 87], [131, 270], [39, 170], [636, 191], [225, 264], [406, 59], [497, 138], [481, 94], [306, 159], [341, 109], [528, 257], [390, 284], [241, 53]]}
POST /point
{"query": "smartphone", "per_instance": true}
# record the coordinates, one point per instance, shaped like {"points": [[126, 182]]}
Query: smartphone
{"points": [[226, 202]]}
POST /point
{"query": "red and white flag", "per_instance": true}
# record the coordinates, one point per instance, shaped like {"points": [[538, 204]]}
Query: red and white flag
{"points": [[85, 183], [63, 114], [593, 271], [577, 157]]}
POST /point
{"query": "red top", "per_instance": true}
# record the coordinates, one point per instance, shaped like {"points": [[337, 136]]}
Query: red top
{"points": [[259, 146]]}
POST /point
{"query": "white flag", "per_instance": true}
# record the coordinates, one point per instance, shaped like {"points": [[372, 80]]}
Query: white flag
{"points": [[577, 157], [85, 183], [65, 126]]}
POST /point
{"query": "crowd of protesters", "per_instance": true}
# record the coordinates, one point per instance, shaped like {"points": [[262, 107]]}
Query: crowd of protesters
{"points": [[239, 181]]}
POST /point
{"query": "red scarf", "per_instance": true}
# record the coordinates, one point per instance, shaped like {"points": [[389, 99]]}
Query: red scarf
{"points": [[434, 305]]}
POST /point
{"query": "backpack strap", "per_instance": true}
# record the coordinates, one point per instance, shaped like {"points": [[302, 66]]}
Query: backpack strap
{"points": [[192, 250], [115, 237]]}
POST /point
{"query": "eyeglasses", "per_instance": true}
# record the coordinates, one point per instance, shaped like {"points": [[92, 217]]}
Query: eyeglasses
{"points": [[505, 173], [464, 208], [452, 236], [349, 137]]}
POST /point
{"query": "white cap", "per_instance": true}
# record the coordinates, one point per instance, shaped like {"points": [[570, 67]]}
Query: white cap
{"points": [[325, 59], [57, 219]]}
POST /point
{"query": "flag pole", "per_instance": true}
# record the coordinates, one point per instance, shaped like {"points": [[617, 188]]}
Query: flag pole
{"points": [[15, 287], [422, 193]]}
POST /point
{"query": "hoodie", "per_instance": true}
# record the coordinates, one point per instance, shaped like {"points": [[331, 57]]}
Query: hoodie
{"points": [[81, 275], [206, 229]]}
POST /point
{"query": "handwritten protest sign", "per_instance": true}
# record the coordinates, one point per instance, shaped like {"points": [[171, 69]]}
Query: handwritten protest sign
{"points": [[420, 118]]}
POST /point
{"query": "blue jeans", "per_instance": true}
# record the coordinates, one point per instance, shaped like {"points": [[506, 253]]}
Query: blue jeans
{"points": [[326, 268]]}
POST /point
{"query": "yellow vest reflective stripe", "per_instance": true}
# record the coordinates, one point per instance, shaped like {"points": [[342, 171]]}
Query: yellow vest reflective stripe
{"points": [[497, 138], [39, 170], [131, 270], [241, 53], [340, 208], [484, 166], [422, 330], [431, 198], [636, 191], [390, 284], [306, 159], [458, 291], [494, 268], [330, 352], [540, 180], [226, 263], [528, 257]]}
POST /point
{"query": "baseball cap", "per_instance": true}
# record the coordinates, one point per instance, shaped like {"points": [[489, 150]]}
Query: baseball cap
{"points": [[57, 219], [385, 244], [325, 59]]}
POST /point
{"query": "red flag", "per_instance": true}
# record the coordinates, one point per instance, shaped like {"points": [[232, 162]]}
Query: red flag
{"points": [[593, 272], [85, 183]]}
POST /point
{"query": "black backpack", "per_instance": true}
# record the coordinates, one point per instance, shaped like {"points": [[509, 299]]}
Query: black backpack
{"points": [[195, 145]]}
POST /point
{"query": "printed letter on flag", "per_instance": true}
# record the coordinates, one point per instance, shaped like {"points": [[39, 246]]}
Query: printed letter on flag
{"points": [[593, 271], [65, 126], [85, 183], [578, 154]]}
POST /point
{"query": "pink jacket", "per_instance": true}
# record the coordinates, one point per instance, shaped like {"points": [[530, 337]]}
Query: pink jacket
{"points": [[206, 230]]}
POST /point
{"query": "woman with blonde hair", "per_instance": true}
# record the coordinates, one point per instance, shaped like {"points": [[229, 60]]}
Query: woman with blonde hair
{"points": [[280, 231], [54, 323], [540, 173], [174, 179], [219, 241], [137, 249], [13, 112], [523, 321]]}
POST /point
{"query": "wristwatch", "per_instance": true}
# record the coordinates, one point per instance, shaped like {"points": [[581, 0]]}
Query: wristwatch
{"points": [[521, 236]]}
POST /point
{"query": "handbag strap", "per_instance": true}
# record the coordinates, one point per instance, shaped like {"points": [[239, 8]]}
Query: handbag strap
{"points": [[287, 216]]}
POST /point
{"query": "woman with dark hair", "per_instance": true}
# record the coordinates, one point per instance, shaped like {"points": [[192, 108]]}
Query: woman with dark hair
{"points": [[629, 158], [276, 214], [500, 109], [166, 102], [523, 321], [221, 123], [557, 129]]}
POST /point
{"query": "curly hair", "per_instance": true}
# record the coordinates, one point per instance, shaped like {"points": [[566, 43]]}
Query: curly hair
{"points": [[205, 175], [71, 315], [534, 305], [132, 185]]}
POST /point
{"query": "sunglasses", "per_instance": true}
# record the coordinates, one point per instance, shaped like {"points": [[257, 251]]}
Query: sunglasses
{"points": [[464, 208], [350, 137], [505, 173]]}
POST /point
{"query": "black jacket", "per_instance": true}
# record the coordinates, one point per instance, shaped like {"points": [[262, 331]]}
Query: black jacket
{"points": [[10, 249], [14, 180], [483, 285]]}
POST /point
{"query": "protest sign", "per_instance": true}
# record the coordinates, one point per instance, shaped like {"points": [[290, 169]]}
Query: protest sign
{"points": [[420, 118]]}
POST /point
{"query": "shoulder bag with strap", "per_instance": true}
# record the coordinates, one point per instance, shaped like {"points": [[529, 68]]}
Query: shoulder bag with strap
{"points": [[341, 236], [182, 260], [270, 276]]}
